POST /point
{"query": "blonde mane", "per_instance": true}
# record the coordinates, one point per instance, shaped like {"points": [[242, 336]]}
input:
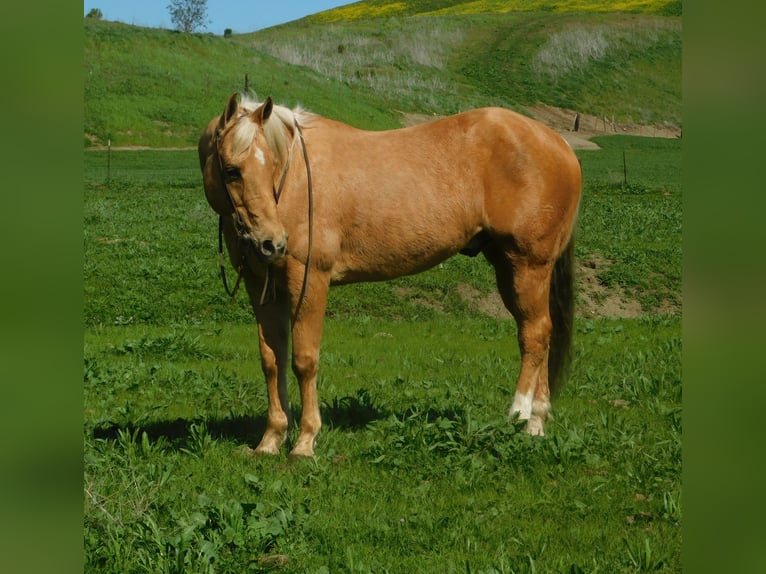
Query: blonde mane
{"points": [[278, 130]]}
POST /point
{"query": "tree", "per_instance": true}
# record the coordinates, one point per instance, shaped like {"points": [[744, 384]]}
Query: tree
{"points": [[95, 14], [188, 15]]}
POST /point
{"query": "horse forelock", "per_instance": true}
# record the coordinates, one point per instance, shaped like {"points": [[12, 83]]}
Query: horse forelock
{"points": [[241, 135], [278, 130]]}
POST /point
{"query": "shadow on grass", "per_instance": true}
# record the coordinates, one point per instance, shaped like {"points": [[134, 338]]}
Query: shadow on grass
{"points": [[350, 413], [179, 431]]}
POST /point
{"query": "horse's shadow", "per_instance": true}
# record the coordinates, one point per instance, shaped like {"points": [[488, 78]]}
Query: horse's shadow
{"points": [[346, 413], [181, 431]]}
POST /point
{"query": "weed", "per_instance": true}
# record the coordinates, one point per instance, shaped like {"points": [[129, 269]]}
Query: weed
{"points": [[170, 347], [641, 557], [199, 441]]}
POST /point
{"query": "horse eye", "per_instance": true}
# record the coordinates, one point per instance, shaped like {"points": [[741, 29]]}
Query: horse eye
{"points": [[231, 173]]}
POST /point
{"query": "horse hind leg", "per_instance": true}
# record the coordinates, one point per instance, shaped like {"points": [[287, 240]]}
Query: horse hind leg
{"points": [[524, 286]]}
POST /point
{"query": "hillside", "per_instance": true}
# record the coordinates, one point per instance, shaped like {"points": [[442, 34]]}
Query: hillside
{"points": [[615, 65], [158, 88], [369, 9]]}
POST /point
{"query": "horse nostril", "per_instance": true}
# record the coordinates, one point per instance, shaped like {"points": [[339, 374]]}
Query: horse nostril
{"points": [[267, 248], [272, 250]]}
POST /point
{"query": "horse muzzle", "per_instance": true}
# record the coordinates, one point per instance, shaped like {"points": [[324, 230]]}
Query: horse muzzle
{"points": [[270, 249], [267, 249]]}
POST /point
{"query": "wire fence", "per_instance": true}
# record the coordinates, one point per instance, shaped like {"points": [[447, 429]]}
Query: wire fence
{"points": [[175, 166]]}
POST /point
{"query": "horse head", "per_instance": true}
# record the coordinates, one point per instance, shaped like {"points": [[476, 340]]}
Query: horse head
{"points": [[240, 158]]}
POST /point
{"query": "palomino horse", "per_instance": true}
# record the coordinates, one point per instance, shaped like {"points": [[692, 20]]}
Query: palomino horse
{"points": [[307, 202]]}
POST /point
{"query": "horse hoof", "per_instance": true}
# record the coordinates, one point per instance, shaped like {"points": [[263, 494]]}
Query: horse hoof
{"points": [[535, 427], [302, 450], [260, 451], [302, 454]]}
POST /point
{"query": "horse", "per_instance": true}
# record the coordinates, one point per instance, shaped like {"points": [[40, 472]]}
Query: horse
{"points": [[306, 202]]}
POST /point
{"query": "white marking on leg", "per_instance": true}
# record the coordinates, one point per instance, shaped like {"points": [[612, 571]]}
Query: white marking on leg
{"points": [[541, 412], [535, 426], [541, 409], [259, 155], [522, 404]]}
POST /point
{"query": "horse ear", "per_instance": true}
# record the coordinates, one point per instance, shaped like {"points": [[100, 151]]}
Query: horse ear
{"points": [[231, 107], [264, 111]]}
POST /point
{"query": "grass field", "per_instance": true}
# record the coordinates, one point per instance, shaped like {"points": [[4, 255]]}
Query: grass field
{"points": [[417, 467]]}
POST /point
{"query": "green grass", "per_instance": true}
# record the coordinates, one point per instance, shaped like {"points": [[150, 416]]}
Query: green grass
{"points": [[631, 224], [417, 467]]}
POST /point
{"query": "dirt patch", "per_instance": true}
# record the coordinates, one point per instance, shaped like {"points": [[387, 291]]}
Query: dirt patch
{"points": [[595, 299], [490, 304], [409, 294], [563, 121], [578, 142], [409, 119]]}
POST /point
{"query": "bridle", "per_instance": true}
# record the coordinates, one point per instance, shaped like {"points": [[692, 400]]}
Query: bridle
{"points": [[269, 286]]}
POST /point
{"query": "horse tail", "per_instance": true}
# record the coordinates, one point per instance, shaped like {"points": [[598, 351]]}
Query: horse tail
{"points": [[561, 304]]}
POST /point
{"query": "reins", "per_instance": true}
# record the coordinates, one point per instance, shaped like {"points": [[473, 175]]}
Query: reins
{"points": [[222, 264], [269, 287], [221, 257]]}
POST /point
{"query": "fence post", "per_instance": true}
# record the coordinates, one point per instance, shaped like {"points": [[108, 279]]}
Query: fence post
{"points": [[108, 160], [625, 168]]}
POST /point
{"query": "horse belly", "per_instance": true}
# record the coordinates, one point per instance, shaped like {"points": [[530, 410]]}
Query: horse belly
{"points": [[365, 259]]}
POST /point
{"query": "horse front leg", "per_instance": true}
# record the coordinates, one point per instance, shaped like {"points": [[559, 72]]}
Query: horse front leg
{"points": [[273, 333], [307, 334]]}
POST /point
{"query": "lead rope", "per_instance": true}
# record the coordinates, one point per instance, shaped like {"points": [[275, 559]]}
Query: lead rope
{"points": [[269, 287], [222, 265], [221, 258]]}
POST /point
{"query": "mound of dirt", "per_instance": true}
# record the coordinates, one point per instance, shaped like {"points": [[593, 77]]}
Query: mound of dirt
{"points": [[595, 299], [563, 121]]}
